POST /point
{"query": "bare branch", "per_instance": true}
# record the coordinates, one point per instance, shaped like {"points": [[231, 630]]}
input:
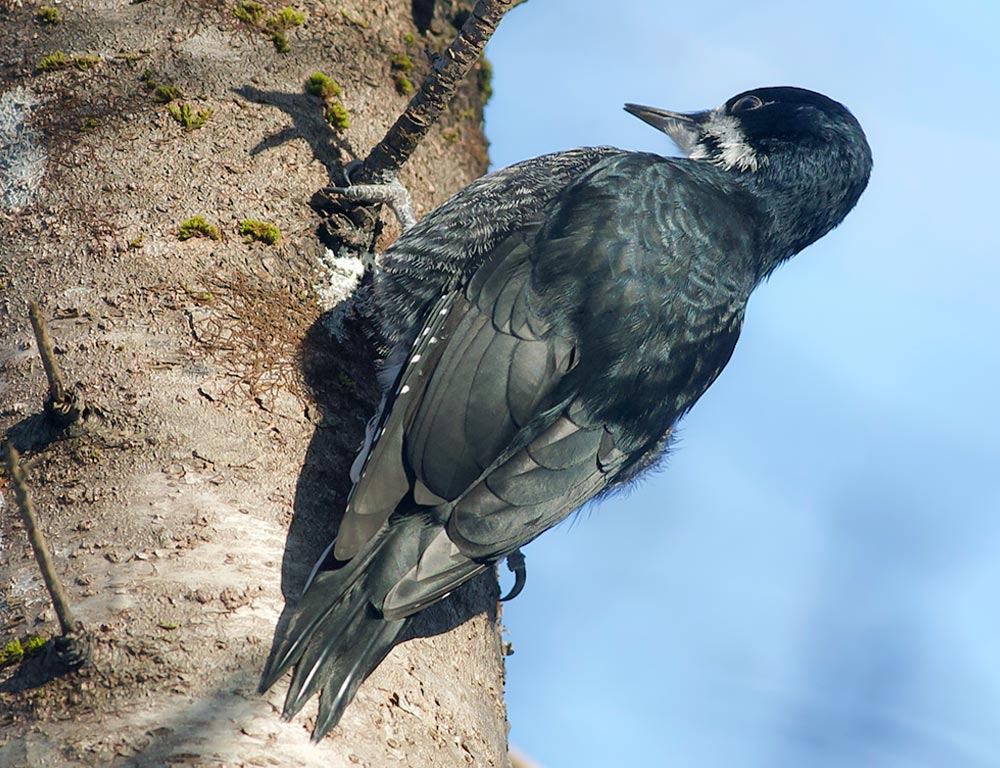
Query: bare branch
{"points": [[391, 154], [59, 600], [61, 402]]}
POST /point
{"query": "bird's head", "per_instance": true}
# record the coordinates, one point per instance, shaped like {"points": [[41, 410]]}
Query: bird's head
{"points": [[803, 152]]}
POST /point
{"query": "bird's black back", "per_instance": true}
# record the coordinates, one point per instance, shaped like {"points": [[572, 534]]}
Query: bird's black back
{"points": [[612, 308]]}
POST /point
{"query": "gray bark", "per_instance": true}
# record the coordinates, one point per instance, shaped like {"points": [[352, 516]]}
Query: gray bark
{"points": [[211, 463]]}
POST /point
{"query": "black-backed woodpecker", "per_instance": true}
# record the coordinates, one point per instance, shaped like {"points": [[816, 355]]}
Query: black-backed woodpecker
{"points": [[549, 325]]}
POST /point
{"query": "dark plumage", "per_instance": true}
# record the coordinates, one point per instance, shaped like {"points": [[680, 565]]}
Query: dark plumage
{"points": [[550, 324]]}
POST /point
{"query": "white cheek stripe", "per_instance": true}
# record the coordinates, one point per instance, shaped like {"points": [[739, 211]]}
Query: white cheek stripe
{"points": [[733, 151]]}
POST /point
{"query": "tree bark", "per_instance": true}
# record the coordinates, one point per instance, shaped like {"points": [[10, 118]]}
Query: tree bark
{"points": [[210, 465]]}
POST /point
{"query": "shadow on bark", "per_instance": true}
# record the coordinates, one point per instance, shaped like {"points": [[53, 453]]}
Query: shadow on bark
{"points": [[308, 123], [40, 669], [342, 377]]}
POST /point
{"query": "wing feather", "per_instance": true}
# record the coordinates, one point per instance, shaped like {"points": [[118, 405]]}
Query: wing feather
{"points": [[561, 364]]}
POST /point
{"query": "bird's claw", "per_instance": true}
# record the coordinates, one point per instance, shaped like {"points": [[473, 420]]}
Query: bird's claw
{"points": [[392, 193], [349, 168], [515, 564]]}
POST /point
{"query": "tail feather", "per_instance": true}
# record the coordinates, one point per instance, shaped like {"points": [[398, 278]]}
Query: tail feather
{"points": [[312, 610], [330, 643], [349, 619], [352, 671], [324, 594], [335, 638]]}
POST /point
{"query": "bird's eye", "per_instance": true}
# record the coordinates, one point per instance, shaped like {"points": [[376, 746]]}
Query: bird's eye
{"points": [[746, 104]]}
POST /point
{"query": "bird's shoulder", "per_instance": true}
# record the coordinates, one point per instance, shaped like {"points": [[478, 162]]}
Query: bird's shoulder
{"points": [[647, 235], [451, 242], [666, 194]]}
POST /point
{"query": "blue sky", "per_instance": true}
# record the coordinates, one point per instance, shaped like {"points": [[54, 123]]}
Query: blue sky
{"points": [[814, 579]]}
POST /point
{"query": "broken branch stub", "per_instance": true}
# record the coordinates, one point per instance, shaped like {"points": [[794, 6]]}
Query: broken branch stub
{"points": [[61, 404], [437, 90], [71, 648]]}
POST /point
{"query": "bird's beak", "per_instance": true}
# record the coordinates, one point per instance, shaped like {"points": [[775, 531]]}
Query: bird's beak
{"points": [[686, 129]]}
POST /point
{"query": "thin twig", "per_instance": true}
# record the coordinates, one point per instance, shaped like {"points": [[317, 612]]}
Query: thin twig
{"points": [[61, 403], [57, 390], [390, 154], [59, 600]]}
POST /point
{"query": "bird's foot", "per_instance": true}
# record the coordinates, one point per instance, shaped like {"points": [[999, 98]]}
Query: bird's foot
{"points": [[515, 564], [392, 193]]}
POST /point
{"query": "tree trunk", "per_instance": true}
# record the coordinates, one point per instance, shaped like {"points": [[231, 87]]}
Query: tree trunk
{"points": [[221, 416]]}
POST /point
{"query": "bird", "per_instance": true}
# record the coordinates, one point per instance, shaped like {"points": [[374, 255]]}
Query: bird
{"points": [[547, 327]]}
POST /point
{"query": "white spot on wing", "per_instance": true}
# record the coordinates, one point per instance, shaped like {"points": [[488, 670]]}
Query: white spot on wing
{"points": [[405, 389]]}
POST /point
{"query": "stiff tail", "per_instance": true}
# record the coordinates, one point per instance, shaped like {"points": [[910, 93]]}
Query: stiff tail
{"points": [[336, 637], [350, 618]]}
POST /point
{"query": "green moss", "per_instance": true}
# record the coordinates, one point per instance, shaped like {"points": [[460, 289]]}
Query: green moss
{"points": [[281, 22], [164, 94], [15, 651], [11, 653], [199, 297], [408, 38], [484, 76], [403, 84], [249, 11], [136, 242], [402, 66], [48, 15], [262, 232], [186, 116], [33, 645], [338, 116], [160, 92], [54, 61], [196, 226], [328, 89], [286, 18], [323, 86], [403, 63], [451, 135], [356, 22], [275, 25], [281, 44], [83, 63], [59, 60], [88, 123]]}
